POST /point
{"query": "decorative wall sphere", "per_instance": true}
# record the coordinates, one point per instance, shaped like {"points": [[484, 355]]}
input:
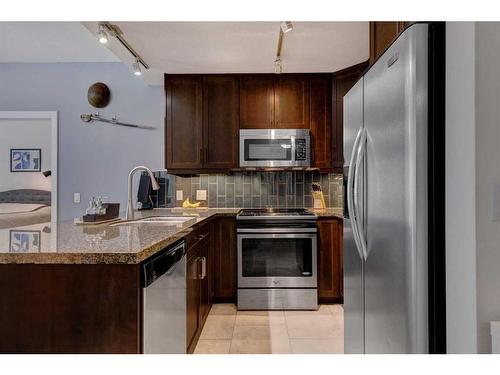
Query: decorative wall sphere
{"points": [[99, 95]]}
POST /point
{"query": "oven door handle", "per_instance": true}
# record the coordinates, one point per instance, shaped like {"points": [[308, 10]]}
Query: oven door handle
{"points": [[276, 230]]}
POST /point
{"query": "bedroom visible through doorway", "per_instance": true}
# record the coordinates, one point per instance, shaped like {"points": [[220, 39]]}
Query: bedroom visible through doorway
{"points": [[28, 168]]}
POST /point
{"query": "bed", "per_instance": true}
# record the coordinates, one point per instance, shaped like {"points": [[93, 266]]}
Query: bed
{"points": [[24, 207]]}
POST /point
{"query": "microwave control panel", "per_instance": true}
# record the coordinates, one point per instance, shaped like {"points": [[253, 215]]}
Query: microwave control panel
{"points": [[300, 149]]}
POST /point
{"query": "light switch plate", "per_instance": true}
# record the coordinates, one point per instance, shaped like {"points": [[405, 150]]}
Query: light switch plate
{"points": [[179, 195], [76, 198], [495, 203], [201, 195]]}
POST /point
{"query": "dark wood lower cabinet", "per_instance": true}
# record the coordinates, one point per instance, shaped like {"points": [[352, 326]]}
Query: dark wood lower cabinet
{"points": [[198, 283], [192, 298], [330, 267], [224, 268], [70, 308]]}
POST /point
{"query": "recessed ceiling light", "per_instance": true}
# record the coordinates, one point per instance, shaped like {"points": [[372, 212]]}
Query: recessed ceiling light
{"points": [[286, 26], [137, 67], [102, 36]]}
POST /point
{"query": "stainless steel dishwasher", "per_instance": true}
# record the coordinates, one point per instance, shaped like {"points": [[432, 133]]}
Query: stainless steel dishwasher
{"points": [[164, 301]]}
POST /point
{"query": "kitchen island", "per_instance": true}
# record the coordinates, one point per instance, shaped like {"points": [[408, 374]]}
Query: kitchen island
{"points": [[77, 289]]}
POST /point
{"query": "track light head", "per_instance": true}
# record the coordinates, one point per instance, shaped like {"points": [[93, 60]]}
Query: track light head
{"points": [[102, 35], [286, 26], [137, 67], [278, 66]]}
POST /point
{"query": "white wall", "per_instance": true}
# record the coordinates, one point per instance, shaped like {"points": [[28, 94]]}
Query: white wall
{"points": [[24, 134], [460, 189], [487, 90]]}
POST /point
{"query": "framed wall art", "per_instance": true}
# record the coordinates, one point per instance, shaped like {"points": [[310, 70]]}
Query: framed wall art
{"points": [[25, 160]]}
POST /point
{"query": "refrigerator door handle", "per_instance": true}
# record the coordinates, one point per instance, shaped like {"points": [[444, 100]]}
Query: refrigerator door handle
{"points": [[357, 202], [349, 192]]}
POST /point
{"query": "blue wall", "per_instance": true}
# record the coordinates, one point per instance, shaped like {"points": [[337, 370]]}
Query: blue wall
{"points": [[94, 159]]}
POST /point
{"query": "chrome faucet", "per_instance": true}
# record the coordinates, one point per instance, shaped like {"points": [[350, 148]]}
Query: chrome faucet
{"points": [[154, 185]]}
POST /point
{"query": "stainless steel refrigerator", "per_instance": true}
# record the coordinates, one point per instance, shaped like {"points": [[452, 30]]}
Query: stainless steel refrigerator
{"points": [[386, 224]]}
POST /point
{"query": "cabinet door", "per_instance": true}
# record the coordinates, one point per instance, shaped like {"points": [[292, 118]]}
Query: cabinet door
{"points": [[192, 298], [225, 260], [257, 102], [204, 282], [329, 260], [220, 121], [183, 135], [292, 102], [321, 122]]}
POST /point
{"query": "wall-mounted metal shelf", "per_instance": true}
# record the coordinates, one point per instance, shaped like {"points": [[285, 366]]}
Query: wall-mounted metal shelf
{"points": [[113, 120]]}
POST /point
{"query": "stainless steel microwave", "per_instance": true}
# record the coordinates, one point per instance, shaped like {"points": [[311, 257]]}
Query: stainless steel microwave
{"points": [[275, 148]]}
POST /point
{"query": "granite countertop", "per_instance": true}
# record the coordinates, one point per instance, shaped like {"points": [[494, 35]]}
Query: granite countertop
{"points": [[67, 243]]}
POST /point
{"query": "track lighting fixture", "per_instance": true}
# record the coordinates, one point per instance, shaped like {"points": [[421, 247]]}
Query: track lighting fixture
{"points": [[286, 26], [102, 35], [108, 29], [137, 67], [278, 67]]}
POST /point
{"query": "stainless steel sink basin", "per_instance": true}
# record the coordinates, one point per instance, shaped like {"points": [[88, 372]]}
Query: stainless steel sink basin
{"points": [[159, 220]]}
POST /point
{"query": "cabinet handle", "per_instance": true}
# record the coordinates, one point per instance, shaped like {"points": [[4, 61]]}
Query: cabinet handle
{"points": [[203, 273]]}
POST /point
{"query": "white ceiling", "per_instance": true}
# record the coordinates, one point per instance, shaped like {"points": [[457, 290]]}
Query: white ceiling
{"points": [[247, 47], [49, 42], [192, 47]]}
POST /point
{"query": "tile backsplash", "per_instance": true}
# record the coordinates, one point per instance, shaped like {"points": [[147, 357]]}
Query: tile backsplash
{"points": [[254, 189]]}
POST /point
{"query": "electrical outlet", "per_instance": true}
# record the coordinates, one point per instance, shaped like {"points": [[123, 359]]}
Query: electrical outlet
{"points": [[179, 195], [201, 195], [76, 198]]}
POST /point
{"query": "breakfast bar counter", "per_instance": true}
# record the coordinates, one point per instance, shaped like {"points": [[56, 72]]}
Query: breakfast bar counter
{"points": [[112, 243]]}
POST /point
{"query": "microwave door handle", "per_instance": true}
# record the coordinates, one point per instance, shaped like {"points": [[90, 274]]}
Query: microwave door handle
{"points": [[292, 141]]}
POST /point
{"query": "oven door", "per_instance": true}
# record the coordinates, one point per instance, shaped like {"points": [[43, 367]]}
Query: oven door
{"points": [[277, 260]]}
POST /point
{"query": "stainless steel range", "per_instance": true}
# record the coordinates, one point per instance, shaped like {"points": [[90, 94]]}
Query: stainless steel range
{"points": [[277, 259]]}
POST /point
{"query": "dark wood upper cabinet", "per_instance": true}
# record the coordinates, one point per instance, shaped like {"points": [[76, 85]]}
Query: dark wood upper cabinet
{"points": [[342, 83], [257, 102], [321, 121], [205, 112], [330, 267], [220, 122], [382, 34], [183, 135], [291, 97]]}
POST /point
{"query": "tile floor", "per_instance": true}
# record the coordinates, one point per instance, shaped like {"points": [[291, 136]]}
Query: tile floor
{"points": [[264, 332]]}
